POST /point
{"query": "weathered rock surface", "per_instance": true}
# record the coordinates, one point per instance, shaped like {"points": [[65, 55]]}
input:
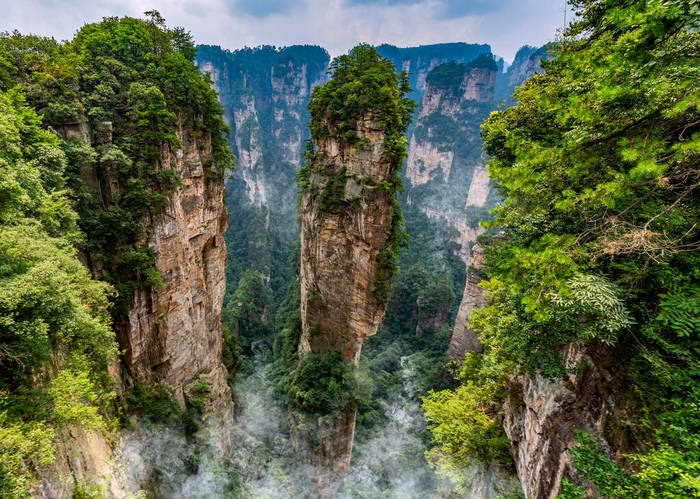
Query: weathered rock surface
{"points": [[84, 458], [339, 267], [464, 340], [173, 334], [541, 416], [339, 251]]}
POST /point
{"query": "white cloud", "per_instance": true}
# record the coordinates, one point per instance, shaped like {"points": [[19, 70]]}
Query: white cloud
{"points": [[334, 24]]}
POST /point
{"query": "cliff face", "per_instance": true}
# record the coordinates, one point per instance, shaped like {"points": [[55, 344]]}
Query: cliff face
{"points": [[339, 251], [540, 417], [174, 331], [463, 339]]}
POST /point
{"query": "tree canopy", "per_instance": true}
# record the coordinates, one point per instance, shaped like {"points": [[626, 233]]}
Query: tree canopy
{"points": [[598, 165]]}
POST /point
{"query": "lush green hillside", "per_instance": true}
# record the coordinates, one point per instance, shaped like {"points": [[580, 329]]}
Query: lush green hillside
{"points": [[55, 335], [598, 165], [135, 82]]}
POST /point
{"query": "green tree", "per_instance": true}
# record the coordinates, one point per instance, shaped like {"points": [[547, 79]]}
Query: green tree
{"points": [[598, 165], [53, 316]]}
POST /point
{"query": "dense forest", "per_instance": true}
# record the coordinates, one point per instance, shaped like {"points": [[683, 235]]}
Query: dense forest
{"points": [[153, 344], [597, 246]]}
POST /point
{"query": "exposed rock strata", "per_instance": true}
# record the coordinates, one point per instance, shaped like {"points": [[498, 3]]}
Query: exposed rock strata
{"points": [[340, 308], [541, 416], [174, 331], [339, 251], [463, 339]]}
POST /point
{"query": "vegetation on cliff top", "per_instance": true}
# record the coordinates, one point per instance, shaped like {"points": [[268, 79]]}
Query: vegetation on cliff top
{"points": [[136, 80], [598, 164], [361, 82]]}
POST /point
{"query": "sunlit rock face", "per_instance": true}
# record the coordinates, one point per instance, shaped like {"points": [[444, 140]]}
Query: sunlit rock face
{"points": [[340, 265], [173, 334]]}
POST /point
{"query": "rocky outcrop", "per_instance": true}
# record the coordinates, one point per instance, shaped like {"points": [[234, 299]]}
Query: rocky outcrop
{"points": [[84, 459], [541, 416], [464, 340], [173, 334], [447, 179], [340, 268], [340, 249]]}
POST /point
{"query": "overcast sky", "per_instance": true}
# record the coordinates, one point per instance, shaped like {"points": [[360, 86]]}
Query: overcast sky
{"points": [[336, 25]]}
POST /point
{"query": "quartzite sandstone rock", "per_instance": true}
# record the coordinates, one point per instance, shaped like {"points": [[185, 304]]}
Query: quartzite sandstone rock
{"points": [[173, 334], [463, 339], [541, 415], [339, 268]]}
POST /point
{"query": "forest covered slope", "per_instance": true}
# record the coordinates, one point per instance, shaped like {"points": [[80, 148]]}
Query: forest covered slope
{"points": [[112, 251], [588, 383]]}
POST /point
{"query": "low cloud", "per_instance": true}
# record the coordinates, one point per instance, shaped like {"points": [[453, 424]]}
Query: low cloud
{"points": [[337, 25]]}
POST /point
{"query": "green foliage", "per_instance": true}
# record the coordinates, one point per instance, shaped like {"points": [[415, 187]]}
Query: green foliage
{"points": [[598, 167], [246, 320], [450, 76], [140, 77], [361, 82], [55, 336], [75, 399], [414, 335], [322, 383], [465, 422], [20, 444], [447, 77], [156, 403], [32, 167], [663, 472]]}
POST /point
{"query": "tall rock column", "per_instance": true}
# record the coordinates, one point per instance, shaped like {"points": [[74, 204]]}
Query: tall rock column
{"points": [[174, 330], [351, 228]]}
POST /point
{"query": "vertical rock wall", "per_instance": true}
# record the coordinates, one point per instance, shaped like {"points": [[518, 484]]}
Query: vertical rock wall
{"points": [[541, 415], [174, 332], [463, 339], [339, 251], [339, 268]]}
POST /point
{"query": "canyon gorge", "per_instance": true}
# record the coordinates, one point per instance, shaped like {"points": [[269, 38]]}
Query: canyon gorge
{"points": [[399, 272]]}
